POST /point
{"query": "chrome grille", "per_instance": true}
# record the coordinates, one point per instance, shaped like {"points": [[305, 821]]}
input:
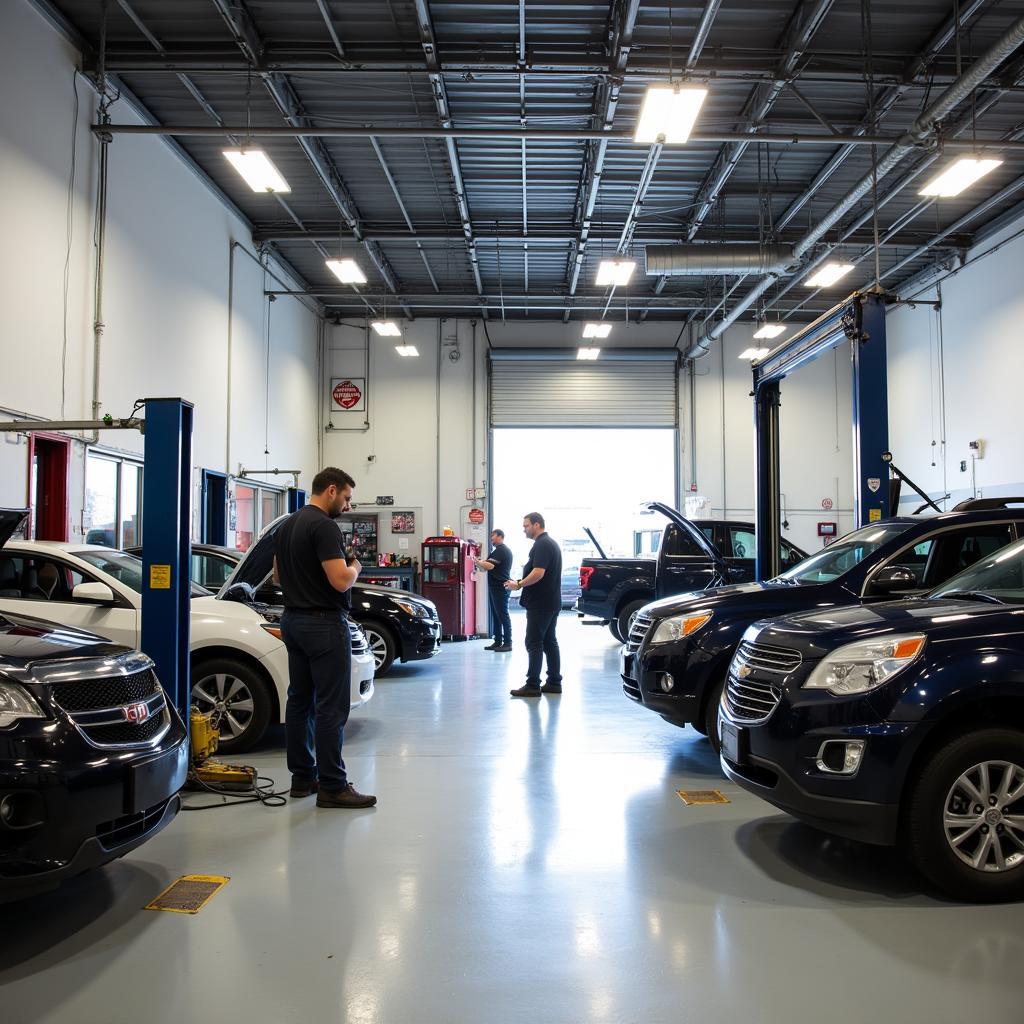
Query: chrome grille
{"points": [[751, 698], [94, 694], [111, 727], [641, 624], [359, 644]]}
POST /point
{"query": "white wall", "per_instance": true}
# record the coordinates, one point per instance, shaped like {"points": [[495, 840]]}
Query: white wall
{"points": [[166, 285], [955, 375]]}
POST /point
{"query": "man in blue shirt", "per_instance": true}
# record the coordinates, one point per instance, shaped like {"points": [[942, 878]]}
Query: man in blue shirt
{"points": [[498, 566], [542, 598]]}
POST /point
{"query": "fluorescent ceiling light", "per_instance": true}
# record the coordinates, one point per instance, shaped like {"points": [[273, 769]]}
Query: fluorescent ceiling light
{"points": [[258, 170], [770, 330], [754, 353], [587, 353], [596, 330], [386, 328], [828, 275], [669, 113], [407, 350], [617, 272], [347, 271], [959, 175]]}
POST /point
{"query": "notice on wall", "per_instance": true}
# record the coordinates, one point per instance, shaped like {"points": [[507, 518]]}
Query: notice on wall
{"points": [[348, 394], [159, 577]]}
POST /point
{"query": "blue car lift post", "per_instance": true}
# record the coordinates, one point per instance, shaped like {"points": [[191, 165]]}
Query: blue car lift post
{"points": [[860, 322]]}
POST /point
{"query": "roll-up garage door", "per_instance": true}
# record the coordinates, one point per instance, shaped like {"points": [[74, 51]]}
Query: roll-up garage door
{"points": [[553, 388]]}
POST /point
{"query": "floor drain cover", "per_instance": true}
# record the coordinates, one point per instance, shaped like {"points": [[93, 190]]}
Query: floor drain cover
{"points": [[189, 894], [697, 797]]}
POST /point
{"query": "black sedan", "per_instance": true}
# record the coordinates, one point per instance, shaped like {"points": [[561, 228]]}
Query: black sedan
{"points": [[902, 722], [399, 625], [679, 649]]}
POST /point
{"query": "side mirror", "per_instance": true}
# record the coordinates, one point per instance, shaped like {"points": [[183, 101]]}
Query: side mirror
{"points": [[894, 579], [93, 593]]}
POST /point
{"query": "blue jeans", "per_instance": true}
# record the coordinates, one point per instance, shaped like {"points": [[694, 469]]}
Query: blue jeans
{"points": [[319, 694], [541, 643], [498, 597]]}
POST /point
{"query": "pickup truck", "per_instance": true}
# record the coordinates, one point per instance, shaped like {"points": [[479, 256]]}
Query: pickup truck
{"points": [[690, 557]]}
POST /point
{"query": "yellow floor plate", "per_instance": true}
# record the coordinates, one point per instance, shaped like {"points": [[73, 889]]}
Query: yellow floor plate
{"points": [[189, 894], [699, 797]]}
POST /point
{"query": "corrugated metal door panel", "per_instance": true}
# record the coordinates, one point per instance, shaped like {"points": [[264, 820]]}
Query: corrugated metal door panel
{"points": [[576, 393]]}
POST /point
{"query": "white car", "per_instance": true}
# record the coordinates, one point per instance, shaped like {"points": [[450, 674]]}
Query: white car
{"points": [[239, 663]]}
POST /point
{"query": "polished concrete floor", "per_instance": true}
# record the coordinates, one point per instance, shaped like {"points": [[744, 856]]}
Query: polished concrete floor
{"points": [[528, 862]]}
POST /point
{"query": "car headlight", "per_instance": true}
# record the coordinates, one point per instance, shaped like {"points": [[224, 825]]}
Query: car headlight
{"points": [[274, 629], [679, 626], [417, 611], [16, 704], [865, 665]]}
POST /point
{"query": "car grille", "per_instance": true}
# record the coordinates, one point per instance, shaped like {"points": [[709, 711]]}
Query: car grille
{"points": [[127, 733], [752, 699], [359, 644], [93, 694], [641, 624], [113, 834]]}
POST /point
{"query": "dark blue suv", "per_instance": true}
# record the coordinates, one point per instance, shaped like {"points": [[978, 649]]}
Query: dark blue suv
{"points": [[679, 649], [896, 723]]}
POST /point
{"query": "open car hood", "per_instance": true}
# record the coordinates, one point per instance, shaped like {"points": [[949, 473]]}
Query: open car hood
{"points": [[11, 520], [691, 531], [258, 562]]}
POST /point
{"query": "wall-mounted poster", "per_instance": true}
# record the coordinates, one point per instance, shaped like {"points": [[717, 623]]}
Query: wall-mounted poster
{"points": [[403, 522]]}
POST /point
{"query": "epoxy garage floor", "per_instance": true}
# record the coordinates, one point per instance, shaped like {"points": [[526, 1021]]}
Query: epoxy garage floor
{"points": [[528, 861]]}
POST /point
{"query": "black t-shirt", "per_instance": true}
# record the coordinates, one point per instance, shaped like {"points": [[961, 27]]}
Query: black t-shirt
{"points": [[307, 538], [546, 595], [501, 558]]}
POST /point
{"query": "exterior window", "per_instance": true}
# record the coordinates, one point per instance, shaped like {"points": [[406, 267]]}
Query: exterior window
{"points": [[113, 501], [255, 509]]}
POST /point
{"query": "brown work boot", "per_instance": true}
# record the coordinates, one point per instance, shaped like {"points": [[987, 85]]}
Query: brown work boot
{"points": [[303, 787], [347, 797]]}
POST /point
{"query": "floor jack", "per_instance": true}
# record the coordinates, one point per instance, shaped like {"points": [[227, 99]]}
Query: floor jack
{"points": [[206, 773]]}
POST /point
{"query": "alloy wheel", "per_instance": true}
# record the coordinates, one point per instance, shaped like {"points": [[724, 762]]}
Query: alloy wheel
{"points": [[378, 647], [983, 816], [228, 699]]}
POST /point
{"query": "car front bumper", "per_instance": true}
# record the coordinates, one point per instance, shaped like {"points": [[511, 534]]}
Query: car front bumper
{"points": [[84, 809], [362, 679], [421, 639], [643, 673]]}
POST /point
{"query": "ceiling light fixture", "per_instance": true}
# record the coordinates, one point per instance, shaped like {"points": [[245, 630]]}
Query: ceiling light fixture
{"points": [[407, 350], [258, 170], [616, 272], [595, 330], [347, 271], [770, 330], [960, 175], [828, 275], [754, 353], [386, 328], [669, 114], [587, 353]]}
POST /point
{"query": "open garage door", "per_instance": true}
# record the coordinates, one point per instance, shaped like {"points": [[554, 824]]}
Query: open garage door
{"points": [[538, 388]]}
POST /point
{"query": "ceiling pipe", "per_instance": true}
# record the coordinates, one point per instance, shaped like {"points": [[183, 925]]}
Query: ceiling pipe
{"points": [[921, 130], [698, 259]]}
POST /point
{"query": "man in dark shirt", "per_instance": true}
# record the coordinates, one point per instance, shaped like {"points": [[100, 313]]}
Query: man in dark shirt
{"points": [[542, 598], [315, 577], [498, 566]]}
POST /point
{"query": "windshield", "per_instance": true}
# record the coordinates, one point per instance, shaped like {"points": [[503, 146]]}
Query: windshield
{"points": [[125, 568], [841, 557], [1000, 576]]}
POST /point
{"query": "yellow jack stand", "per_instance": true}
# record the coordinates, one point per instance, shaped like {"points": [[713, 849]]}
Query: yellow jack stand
{"points": [[206, 773]]}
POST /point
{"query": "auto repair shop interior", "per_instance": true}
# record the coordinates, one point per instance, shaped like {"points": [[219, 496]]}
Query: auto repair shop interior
{"points": [[729, 293]]}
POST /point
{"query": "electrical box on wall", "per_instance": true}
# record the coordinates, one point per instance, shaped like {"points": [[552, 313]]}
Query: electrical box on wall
{"points": [[828, 529]]}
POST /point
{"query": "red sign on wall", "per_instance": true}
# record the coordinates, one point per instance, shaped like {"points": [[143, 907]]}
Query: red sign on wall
{"points": [[348, 394], [476, 516]]}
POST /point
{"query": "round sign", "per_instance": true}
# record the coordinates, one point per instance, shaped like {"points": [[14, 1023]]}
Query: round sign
{"points": [[826, 504], [476, 516], [346, 394]]}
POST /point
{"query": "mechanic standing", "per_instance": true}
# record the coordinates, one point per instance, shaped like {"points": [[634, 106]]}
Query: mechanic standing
{"points": [[312, 571], [542, 598], [498, 566]]}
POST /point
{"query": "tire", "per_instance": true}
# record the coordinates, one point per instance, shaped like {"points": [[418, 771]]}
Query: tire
{"points": [[950, 779], [614, 627], [382, 646], [245, 696], [626, 617], [710, 722]]}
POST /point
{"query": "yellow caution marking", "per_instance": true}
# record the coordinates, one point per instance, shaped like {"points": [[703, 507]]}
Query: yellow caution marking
{"points": [[189, 894], [700, 797], [159, 577]]}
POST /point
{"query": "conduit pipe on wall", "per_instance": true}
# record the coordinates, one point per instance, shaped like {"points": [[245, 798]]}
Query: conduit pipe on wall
{"points": [[98, 325], [922, 129]]}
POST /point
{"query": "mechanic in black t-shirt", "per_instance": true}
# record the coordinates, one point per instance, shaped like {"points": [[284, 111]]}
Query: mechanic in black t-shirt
{"points": [[542, 598], [498, 566], [315, 577]]}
